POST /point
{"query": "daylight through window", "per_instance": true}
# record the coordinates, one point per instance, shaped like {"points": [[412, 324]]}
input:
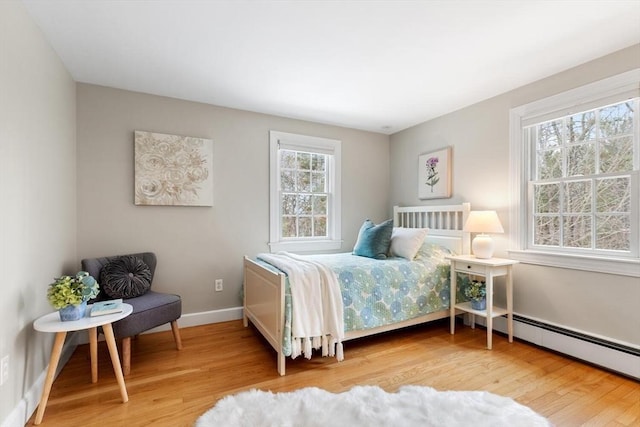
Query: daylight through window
{"points": [[582, 178], [575, 178], [305, 192]]}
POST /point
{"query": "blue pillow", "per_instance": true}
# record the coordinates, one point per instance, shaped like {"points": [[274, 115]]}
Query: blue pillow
{"points": [[374, 240]]}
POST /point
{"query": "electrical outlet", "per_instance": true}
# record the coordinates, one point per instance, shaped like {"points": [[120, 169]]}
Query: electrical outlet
{"points": [[219, 286], [4, 369]]}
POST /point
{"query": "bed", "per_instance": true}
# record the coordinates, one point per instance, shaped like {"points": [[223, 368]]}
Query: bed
{"points": [[266, 291]]}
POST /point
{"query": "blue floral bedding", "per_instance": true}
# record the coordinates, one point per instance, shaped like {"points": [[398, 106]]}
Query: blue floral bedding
{"points": [[382, 292]]}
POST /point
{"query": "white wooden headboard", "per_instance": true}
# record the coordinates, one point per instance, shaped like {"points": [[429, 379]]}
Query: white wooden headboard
{"points": [[445, 224]]}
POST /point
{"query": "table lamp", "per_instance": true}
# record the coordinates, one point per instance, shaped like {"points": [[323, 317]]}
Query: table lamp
{"points": [[483, 222]]}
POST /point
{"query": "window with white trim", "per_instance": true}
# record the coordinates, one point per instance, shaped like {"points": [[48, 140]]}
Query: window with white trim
{"points": [[304, 192], [575, 160]]}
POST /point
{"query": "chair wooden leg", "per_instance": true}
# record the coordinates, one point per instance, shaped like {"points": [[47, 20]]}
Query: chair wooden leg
{"points": [[176, 334], [126, 355]]}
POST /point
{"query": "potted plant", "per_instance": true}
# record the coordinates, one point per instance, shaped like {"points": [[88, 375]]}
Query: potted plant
{"points": [[477, 294], [69, 294]]}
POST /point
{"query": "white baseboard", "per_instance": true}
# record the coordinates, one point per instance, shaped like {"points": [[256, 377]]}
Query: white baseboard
{"points": [[203, 318], [618, 357], [18, 417]]}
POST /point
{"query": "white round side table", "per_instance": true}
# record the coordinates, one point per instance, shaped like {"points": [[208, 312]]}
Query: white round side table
{"points": [[51, 323]]}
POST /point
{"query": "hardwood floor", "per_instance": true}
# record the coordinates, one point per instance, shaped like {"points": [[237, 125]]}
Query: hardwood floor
{"points": [[173, 388]]}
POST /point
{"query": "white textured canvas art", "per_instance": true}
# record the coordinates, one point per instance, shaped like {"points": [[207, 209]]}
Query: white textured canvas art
{"points": [[173, 170]]}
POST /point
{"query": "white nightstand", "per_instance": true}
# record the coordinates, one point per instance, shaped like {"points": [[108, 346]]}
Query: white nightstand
{"points": [[488, 268]]}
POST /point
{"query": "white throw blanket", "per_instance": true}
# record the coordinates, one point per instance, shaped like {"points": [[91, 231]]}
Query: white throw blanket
{"points": [[316, 304]]}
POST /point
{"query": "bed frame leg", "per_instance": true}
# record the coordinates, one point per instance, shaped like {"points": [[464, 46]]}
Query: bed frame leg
{"points": [[281, 364]]}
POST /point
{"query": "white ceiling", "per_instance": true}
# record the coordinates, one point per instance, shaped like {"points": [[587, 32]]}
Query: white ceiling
{"points": [[381, 66]]}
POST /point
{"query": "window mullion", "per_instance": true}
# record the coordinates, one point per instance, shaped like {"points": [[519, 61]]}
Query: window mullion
{"points": [[636, 134], [598, 142], [561, 211], [564, 146], [594, 192], [594, 224], [531, 136]]}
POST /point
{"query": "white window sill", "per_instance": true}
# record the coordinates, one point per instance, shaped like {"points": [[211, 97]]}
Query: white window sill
{"points": [[619, 266], [306, 246]]}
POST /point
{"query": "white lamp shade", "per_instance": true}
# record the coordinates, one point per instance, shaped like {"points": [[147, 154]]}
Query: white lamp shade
{"points": [[483, 222]]}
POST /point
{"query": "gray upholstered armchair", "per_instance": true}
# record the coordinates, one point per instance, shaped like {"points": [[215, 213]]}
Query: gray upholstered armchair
{"points": [[129, 277]]}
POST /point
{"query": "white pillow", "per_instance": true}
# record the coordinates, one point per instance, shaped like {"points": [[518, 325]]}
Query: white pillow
{"points": [[405, 242]]}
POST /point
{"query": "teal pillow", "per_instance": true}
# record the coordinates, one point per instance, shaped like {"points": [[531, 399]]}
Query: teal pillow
{"points": [[374, 240]]}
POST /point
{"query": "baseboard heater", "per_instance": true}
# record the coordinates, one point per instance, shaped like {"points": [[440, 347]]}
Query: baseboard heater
{"points": [[611, 355], [579, 335]]}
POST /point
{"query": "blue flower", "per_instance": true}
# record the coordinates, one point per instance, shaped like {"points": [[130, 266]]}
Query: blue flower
{"points": [[404, 288], [396, 308], [346, 277], [377, 274], [346, 299], [367, 316]]}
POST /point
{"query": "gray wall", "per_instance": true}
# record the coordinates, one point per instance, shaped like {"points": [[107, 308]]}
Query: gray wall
{"points": [[196, 245], [37, 183], [600, 304]]}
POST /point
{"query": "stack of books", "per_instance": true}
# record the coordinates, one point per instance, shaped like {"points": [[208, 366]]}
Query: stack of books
{"points": [[101, 308]]}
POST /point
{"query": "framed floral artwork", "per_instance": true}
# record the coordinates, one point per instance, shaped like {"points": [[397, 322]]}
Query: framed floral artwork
{"points": [[434, 174], [173, 170]]}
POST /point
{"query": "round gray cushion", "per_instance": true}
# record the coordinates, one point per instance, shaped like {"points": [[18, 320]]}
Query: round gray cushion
{"points": [[125, 277]]}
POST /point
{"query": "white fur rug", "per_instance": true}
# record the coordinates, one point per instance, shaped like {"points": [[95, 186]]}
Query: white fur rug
{"points": [[369, 406]]}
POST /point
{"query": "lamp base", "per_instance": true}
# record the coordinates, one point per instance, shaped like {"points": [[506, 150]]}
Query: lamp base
{"points": [[482, 246]]}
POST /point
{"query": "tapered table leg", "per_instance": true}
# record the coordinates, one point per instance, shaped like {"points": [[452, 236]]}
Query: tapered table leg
{"points": [[51, 373], [510, 304], [93, 347], [115, 359]]}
